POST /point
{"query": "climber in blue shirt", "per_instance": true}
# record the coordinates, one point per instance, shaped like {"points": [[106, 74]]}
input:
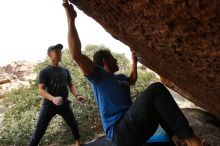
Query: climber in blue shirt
{"points": [[124, 122]]}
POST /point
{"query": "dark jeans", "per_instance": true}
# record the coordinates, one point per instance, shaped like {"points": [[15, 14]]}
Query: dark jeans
{"points": [[153, 107], [48, 111]]}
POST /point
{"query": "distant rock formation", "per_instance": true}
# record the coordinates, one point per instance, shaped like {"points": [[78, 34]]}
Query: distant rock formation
{"points": [[16, 75], [178, 39]]}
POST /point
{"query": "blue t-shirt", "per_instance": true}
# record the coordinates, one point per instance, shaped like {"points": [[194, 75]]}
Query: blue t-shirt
{"points": [[112, 93]]}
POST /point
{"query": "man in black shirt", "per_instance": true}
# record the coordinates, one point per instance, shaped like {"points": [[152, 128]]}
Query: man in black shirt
{"points": [[54, 81]]}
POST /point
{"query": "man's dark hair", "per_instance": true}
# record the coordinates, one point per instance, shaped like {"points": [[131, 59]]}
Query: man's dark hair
{"points": [[100, 55]]}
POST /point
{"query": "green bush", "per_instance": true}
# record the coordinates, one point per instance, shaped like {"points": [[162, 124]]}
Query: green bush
{"points": [[20, 117]]}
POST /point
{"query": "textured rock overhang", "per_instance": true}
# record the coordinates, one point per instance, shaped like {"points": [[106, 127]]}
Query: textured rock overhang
{"points": [[178, 39]]}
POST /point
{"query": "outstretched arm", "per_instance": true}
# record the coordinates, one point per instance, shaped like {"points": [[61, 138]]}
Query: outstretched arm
{"points": [[133, 75], [85, 64]]}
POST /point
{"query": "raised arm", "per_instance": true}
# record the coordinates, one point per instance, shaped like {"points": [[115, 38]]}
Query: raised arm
{"points": [[133, 74], [85, 64]]}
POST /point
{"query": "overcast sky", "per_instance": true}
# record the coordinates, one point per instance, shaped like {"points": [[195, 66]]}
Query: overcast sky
{"points": [[28, 27]]}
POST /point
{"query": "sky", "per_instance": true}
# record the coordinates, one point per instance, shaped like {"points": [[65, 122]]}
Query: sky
{"points": [[29, 27]]}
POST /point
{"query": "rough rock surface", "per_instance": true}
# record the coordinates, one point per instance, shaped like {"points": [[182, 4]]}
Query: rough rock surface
{"points": [[178, 39]]}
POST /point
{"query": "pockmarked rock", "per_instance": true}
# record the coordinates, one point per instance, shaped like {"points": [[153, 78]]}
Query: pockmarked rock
{"points": [[177, 39]]}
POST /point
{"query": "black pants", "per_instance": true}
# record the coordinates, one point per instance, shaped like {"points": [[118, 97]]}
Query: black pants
{"points": [[47, 112], [153, 107]]}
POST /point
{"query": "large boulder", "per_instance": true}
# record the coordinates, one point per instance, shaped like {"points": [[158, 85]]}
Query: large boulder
{"points": [[178, 39]]}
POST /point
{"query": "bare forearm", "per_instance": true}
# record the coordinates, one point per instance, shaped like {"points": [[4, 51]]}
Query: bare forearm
{"points": [[73, 40], [46, 95], [83, 61], [85, 64], [133, 75], [74, 91]]}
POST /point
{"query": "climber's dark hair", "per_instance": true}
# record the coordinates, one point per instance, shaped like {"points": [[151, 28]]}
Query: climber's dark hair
{"points": [[100, 55]]}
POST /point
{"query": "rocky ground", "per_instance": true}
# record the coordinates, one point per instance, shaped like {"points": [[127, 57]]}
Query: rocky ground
{"points": [[204, 125]]}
